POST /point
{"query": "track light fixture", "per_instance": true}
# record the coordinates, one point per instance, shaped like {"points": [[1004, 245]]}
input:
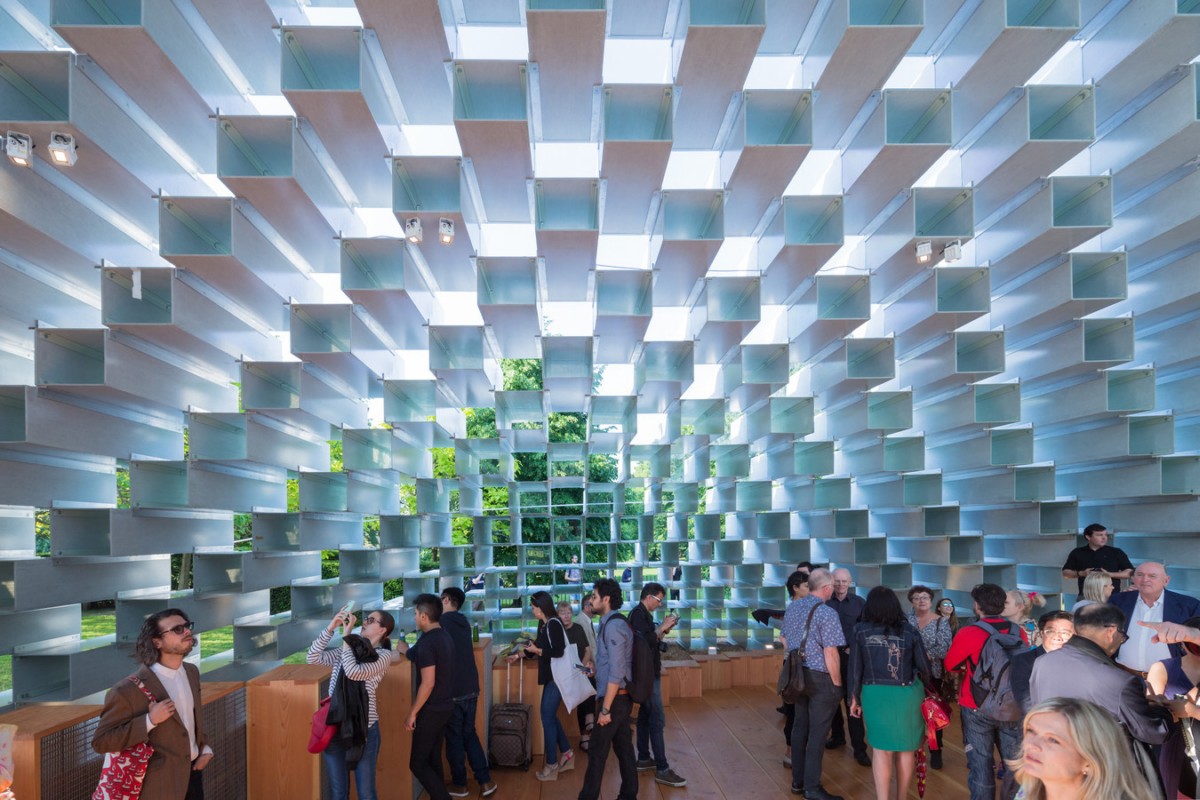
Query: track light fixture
{"points": [[446, 230], [924, 252], [19, 148], [62, 149], [412, 230], [952, 251]]}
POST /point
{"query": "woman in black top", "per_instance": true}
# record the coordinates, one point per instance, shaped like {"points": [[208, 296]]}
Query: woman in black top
{"points": [[550, 643]]}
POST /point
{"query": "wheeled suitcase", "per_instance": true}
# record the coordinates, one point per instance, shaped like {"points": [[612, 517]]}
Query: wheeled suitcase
{"points": [[510, 743]]}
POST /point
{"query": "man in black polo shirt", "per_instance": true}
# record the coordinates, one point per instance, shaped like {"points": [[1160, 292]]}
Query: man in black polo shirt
{"points": [[1097, 555], [433, 705], [849, 608]]}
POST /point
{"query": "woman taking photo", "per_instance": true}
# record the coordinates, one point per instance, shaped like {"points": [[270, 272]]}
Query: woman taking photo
{"points": [[1179, 677], [888, 674], [1074, 750], [936, 635], [551, 642], [362, 660]]}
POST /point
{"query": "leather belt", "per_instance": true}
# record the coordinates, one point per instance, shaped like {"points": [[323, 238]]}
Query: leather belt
{"points": [[622, 691], [1131, 670]]}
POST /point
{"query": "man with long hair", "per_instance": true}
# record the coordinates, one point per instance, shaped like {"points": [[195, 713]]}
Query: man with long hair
{"points": [[160, 704]]}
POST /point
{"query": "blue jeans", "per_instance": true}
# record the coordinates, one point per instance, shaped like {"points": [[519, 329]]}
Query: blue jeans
{"points": [[980, 734], [462, 744], [556, 737], [650, 723], [338, 770]]}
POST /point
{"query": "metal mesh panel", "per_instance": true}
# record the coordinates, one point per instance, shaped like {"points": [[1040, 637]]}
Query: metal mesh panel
{"points": [[70, 768], [225, 727]]}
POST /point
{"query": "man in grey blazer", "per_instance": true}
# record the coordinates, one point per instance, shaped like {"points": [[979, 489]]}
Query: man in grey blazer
{"points": [[172, 722]]}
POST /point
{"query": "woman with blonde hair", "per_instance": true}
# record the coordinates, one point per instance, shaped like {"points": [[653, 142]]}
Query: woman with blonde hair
{"points": [[1018, 609], [1075, 750], [1096, 588]]}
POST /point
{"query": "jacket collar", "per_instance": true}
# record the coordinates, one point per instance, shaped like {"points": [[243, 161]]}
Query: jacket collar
{"points": [[1088, 648]]}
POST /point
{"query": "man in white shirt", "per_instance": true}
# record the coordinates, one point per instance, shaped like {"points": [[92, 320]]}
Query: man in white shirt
{"points": [[160, 704], [1150, 601]]}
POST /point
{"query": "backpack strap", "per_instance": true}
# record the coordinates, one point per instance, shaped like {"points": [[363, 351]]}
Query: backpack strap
{"points": [[807, 627]]}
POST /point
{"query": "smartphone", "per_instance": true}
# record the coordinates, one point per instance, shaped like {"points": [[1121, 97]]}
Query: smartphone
{"points": [[346, 609]]}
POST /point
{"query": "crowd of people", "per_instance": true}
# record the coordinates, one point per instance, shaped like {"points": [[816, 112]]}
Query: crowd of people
{"points": [[1096, 703]]}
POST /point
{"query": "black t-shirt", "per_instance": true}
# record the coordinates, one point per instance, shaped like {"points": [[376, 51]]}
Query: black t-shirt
{"points": [[1084, 559], [552, 639], [435, 649], [642, 622], [577, 637]]}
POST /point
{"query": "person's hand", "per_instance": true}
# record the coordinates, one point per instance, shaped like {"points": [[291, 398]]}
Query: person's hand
{"points": [[533, 650], [348, 624], [604, 719], [855, 709], [161, 711], [1171, 632], [411, 723], [514, 658], [336, 622], [201, 762]]}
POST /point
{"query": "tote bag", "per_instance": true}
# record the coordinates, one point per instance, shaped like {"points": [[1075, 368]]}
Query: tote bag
{"points": [[123, 773], [569, 677]]}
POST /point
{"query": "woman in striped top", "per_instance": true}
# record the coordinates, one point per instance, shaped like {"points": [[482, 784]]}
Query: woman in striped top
{"points": [[376, 628]]}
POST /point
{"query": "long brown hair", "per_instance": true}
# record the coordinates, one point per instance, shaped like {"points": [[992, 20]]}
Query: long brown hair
{"points": [[144, 649]]}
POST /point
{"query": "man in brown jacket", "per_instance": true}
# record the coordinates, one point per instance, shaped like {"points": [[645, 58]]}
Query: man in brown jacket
{"points": [[172, 722]]}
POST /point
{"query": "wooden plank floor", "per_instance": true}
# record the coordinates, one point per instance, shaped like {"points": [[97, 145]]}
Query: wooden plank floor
{"points": [[729, 746]]}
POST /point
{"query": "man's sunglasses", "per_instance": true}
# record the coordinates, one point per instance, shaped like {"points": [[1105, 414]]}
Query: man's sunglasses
{"points": [[178, 630]]}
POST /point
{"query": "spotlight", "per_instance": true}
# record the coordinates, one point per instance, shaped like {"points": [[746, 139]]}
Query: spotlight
{"points": [[446, 230], [924, 252], [19, 148], [412, 230], [62, 149], [952, 251]]}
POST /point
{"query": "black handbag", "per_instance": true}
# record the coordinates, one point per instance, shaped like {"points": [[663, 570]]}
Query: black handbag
{"points": [[791, 678]]}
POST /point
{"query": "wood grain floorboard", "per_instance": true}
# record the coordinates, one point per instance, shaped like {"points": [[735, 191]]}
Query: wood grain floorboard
{"points": [[729, 746]]}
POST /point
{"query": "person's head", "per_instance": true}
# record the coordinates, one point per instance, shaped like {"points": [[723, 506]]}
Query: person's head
{"points": [[566, 613], [921, 598], [1097, 587], [1150, 579], [1018, 604], [946, 608], [1056, 628], [574, 559], [427, 609], [1078, 746], [841, 582], [1096, 535], [453, 598], [377, 626], [653, 595], [1102, 624], [989, 600], [820, 583], [883, 608], [606, 596], [806, 567], [586, 605], [1191, 648], [167, 632], [543, 606], [797, 585]]}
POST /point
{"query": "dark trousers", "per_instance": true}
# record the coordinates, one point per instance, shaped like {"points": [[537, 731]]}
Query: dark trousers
{"points": [[617, 737], [462, 744], [814, 713], [425, 761], [195, 786], [858, 733]]}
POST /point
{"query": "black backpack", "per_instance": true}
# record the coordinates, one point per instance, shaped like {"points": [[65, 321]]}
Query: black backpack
{"points": [[641, 685], [991, 679]]}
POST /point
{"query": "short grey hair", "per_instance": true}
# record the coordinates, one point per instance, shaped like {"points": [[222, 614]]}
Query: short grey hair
{"points": [[819, 578]]}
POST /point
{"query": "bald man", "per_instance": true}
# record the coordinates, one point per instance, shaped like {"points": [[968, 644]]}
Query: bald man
{"points": [[1150, 601]]}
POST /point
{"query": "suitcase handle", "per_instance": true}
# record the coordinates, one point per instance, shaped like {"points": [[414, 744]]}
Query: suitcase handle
{"points": [[508, 681]]}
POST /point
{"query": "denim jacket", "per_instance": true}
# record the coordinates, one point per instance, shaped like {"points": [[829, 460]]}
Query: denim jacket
{"points": [[886, 657]]}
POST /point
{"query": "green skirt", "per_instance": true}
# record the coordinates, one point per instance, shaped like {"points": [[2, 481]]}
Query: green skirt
{"points": [[892, 715]]}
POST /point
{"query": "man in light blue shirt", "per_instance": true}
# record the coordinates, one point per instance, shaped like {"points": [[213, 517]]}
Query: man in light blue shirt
{"points": [[614, 661]]}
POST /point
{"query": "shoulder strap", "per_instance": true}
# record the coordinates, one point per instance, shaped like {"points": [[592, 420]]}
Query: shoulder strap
{"points": [[138, 683], [807, 627], [991, 631]]}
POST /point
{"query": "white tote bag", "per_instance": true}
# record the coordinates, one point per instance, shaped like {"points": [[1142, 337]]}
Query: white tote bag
{"points": [[569, 677]]}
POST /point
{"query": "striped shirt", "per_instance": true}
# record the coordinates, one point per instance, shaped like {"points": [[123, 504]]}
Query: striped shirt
{"points": [[342, 660]]}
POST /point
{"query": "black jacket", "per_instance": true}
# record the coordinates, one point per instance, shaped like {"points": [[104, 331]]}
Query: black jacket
{"points": [[888, 658], [642, 622], [1080, 669], [849, 613], [552, 639], [1020, 673], [466, 674]]}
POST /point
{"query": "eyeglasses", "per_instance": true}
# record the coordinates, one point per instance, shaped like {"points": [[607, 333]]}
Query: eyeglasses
{"points": [[1057, 634], [372, 621], [947, 604], [1122, 636], [178, 630]]}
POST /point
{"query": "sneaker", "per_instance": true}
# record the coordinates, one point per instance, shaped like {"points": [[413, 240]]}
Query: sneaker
{"points": [[454, 790], [797, 789], [668, 777], [547, 773], [566, 762], [787, 761], [487, 789], [644, 764]]}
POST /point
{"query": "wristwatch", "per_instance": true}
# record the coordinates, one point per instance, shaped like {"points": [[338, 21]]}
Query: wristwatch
{"points": [[604, 711]]}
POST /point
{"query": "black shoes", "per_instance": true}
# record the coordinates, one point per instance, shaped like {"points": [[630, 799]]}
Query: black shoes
{"points": [[935, 759], [796, 789], [834, 744], [819, 793], [863, 759]]}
